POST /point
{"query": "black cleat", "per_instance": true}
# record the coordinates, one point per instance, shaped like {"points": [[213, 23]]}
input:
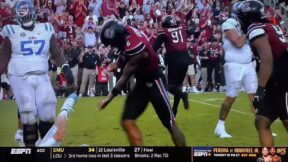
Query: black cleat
{"points": [[185, 101]]}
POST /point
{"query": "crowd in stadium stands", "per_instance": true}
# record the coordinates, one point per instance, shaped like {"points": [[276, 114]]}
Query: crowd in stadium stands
{"points": [[77, 24]]}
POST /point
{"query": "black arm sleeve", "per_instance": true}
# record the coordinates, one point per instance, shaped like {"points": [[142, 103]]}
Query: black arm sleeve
{"points": [[159, 41]]}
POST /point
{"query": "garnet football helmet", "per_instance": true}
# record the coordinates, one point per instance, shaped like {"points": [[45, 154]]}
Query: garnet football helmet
{"points": [[250, 11], [169, 22], [113, 34], [25, 13]]}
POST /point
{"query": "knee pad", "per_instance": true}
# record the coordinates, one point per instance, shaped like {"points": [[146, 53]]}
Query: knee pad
{"points": [[44, 128], [30, 134], [28, 117]]}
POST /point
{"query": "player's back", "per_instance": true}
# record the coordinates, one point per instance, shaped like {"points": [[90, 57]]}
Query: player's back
{"points": [[232, 53], [277, 40], [136, 44], [30, 49], [176, 39]]}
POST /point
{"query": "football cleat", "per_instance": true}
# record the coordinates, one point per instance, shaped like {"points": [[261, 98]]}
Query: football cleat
{"points": [[19, 135], [221, 133]]}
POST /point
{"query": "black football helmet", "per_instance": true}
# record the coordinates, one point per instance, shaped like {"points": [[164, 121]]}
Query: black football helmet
{"points": [[250, 11], [25, 13], [169, 22], [113, 34]]}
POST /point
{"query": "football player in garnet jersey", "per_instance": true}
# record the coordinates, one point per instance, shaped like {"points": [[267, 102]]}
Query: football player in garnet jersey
{"points": [[269, 43], [141, 60], [174, 37], [27, 46]]}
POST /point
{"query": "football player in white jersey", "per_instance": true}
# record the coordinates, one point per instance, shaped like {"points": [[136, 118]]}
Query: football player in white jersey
{"points": [[239, 69], [27, 46]]}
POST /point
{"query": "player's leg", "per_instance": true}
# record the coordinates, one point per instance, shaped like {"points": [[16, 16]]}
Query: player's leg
{"points": [[266, 114], [250, 83], [263, 125], [46, 104], [57, 132], [135, 104], [176, 75], [233, 78], [160, 101], [25, 98]]}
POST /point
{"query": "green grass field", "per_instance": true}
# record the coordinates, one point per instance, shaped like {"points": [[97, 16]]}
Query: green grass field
{"points": [[102, 128]]}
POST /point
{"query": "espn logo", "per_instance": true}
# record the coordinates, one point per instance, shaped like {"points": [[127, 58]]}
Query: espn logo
{"points": [[20, 151]]}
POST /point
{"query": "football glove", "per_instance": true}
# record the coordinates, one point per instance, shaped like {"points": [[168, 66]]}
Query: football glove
{"points": [[258, 99], [68, 74]]}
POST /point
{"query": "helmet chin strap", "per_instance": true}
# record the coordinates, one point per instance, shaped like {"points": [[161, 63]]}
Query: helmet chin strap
{"points": [[28, 24]]}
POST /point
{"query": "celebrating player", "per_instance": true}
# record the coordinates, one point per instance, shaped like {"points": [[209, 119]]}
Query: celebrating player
{"points": [[174, 36], [142, 61], [27, 46], [239, 70], [270, 45]]}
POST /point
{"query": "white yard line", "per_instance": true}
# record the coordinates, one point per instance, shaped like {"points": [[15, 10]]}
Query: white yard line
{"points": [[218, 106]]}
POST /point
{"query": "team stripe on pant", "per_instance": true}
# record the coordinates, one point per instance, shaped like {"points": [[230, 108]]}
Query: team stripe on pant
{"points": [[165, 96]]}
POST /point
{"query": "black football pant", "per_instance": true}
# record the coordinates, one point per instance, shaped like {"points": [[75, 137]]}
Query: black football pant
{"points": [[149, 91]]}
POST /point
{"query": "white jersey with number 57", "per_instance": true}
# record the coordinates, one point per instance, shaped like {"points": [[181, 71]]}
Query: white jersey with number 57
{"points": [[30, 49]]}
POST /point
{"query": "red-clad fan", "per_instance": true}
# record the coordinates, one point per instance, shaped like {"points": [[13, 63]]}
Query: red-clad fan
{"points": [[174, 36], [142, 61], [270, 45], [215, 53], [70, 29]]}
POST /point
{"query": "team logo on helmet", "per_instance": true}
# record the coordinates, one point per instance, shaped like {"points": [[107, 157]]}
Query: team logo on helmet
{"points": [[23, 10], [245, 7], [109, 33]]}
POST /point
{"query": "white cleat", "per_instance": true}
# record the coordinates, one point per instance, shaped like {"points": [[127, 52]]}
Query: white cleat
{"points": [[221, 133], [19, 135], [225, 135]]}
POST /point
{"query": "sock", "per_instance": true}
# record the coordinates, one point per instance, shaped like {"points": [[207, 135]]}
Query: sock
{"points": [[221, 123]]}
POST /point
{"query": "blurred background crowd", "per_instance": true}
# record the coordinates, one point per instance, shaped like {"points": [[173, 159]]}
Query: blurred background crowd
{"points": [[77, 24]]}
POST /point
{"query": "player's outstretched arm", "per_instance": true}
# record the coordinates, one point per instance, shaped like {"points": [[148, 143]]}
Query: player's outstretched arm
{"points": [[56, 53], [58, 57], [128, 71], [5, 55]]}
